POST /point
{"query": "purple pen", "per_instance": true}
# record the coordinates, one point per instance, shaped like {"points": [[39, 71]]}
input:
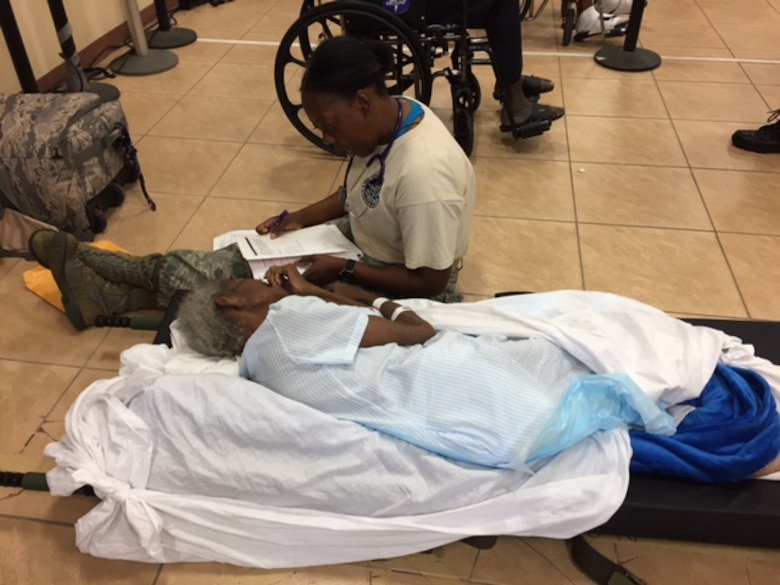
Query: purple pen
{"points": [[278, 221]]}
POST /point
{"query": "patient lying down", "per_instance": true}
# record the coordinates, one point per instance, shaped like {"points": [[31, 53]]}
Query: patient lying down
{"points": [[485, 400]]}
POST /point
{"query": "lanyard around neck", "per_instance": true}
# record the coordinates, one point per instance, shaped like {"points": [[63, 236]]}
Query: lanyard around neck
{"points": [[381, 157]]}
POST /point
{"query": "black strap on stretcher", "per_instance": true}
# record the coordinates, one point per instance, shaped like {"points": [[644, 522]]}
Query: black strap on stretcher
{"points": [[598, 567]]}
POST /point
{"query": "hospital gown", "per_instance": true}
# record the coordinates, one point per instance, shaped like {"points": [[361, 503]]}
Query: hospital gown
{"points": [[481, 400]]}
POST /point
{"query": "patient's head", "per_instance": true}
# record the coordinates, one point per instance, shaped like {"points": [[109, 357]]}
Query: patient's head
{"points": [[218, 317]]}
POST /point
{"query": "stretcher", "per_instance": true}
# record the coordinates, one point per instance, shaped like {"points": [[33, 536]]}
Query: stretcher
{"points": [[742, 514]]}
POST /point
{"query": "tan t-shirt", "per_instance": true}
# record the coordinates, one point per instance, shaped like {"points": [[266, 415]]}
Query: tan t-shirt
{"points": [[421, 216]]}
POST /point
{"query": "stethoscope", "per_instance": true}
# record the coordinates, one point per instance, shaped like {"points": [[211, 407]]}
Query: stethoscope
{"points": [[373, 185]]}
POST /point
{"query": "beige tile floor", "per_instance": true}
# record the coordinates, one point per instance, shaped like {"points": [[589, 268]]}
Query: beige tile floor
{"points": [[636, 191]]}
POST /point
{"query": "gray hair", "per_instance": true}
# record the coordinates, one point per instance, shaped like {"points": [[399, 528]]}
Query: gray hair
{"points": [[204, 325]]}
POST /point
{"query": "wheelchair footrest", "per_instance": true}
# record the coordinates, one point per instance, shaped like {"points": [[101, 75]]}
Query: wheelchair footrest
{"points": [[527, 129]]}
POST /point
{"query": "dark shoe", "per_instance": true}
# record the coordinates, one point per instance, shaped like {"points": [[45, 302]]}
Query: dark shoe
{"points": [[532, 87], [85, 294], [539, 113], [765, 140]]}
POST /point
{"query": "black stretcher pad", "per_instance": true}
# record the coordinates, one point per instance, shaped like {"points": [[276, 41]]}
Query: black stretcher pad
{"points": [[747, 513]]}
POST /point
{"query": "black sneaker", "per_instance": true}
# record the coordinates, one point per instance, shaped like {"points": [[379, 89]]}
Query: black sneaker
{"points": [[765, 140]]}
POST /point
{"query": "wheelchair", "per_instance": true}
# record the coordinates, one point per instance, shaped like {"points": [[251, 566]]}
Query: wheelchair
{"points": [[569, 13], [416, 46]]}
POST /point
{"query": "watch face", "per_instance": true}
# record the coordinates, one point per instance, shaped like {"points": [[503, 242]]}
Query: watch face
{"points": [[348, 273]]}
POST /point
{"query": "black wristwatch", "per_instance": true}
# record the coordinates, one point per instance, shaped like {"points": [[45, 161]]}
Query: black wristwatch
{"points": [[347, 273]]}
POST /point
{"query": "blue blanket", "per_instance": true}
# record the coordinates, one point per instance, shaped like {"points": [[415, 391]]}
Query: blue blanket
{"points": [[733, 433]]}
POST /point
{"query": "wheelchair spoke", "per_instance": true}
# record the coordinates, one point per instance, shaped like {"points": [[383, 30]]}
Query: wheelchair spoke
{"points": [[326, 28], [297, 61], [291, 58], [321, 20]]}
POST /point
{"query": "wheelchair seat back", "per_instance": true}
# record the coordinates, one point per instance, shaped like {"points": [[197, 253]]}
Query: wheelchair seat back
{"points": [[411, 12]]}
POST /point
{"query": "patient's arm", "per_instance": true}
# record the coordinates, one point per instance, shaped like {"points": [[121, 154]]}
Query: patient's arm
{"points": [[408, 328]]}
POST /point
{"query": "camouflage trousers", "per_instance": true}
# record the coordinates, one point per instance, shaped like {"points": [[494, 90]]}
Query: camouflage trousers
{"points": [[184, 269]]}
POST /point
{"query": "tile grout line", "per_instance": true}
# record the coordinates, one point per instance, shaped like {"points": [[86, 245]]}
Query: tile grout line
{"points": [[734, 279], [157, 574], [704, 203], [39, 520], [572, 182], [713, 27], [755, 87], [533, 53]]}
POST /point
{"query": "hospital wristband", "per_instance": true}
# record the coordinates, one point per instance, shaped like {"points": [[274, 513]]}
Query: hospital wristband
{"points": [[379, 301], [398, 311]]}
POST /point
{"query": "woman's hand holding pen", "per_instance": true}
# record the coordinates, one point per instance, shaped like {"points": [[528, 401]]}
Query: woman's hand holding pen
{"points": [[284, 222]]}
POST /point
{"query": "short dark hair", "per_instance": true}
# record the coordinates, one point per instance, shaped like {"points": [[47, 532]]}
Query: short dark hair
{"points": [[342, 66]]}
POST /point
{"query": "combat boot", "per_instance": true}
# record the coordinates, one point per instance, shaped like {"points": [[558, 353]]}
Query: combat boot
{"points": [[140, 271], [85, 293]]}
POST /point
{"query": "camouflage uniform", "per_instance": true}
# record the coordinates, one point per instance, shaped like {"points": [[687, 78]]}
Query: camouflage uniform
{"points": [[183, 269], [57, 152]]}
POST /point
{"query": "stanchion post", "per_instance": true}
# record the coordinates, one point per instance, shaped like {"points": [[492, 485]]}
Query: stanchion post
{"points": [[165, 36], [13, 38], [141, 60], [75, 78], [629, 57]]}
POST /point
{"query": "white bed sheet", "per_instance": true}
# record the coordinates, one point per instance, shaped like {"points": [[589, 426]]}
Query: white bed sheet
{"points": [[167, 498]]}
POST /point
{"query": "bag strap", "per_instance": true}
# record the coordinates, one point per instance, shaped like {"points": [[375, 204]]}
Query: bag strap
{"points": [[598, 567], [131, 158], [94, 149]]}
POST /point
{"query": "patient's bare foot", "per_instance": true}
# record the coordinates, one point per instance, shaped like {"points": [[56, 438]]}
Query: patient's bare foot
{"points": [[773, 467]]}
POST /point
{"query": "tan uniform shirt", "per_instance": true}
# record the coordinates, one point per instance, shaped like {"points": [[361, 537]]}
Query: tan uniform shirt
{"points": [[421, 216]]}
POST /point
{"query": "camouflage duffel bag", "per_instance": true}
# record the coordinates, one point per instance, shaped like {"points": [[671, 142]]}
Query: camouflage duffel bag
{"points": [[64, 158]]}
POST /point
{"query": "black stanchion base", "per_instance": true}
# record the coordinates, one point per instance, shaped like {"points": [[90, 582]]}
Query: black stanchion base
{"points": [[170, 39], [621, 60], [155, 61], [106, 92]]}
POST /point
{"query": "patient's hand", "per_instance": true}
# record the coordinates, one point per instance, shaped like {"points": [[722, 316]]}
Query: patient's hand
{"points": [[289, 278]]}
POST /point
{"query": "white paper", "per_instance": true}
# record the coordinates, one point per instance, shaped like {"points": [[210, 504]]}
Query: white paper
{"points": [[289, 247], [318, 239], [226, 239]]}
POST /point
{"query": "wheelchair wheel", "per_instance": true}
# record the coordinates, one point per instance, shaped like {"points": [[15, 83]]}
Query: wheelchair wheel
{"points": [[304, 40], [525, 7], [569, 20], [308, 5], [410, 75], [476, 91], [463, 96], [463, 126]]}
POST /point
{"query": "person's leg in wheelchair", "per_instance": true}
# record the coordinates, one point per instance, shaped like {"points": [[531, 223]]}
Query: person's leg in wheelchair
{"points": [[501, 21]]}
